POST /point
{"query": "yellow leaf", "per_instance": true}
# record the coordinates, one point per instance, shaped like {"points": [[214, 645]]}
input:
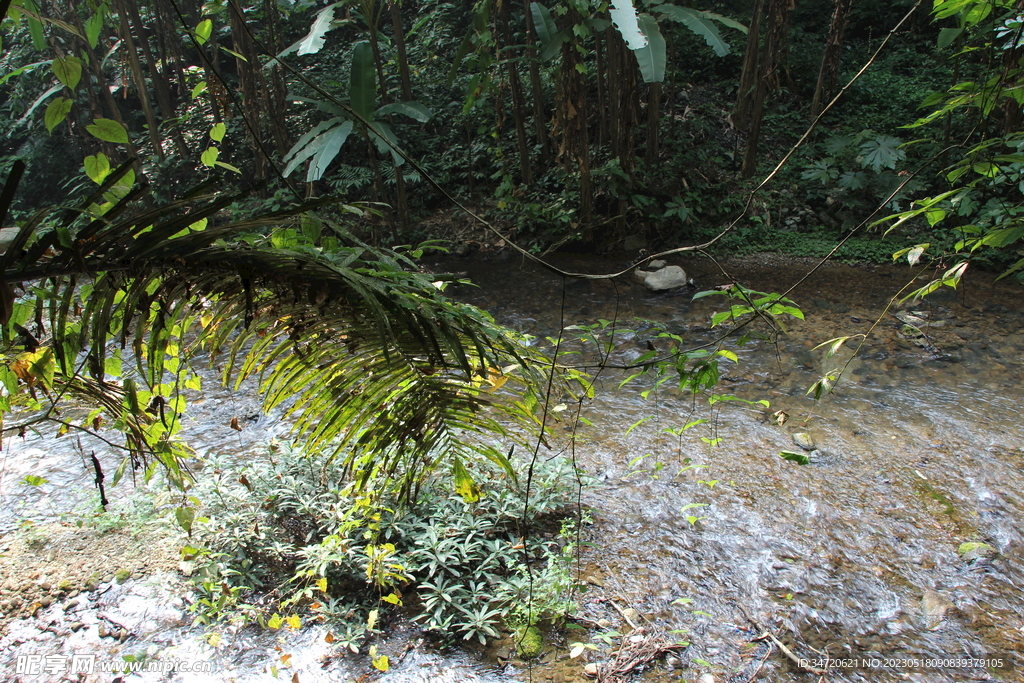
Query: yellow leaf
{"points": [[371, 620], [381, 663], [213, 639], [275, 621], [321, 584], [294, 621]]}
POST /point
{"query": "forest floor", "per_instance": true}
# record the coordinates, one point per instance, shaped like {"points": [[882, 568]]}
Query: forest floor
{"points": [[47, 562]]}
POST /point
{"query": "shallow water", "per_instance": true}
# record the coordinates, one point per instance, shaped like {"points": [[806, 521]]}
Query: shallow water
{"points": [[921, 450], [855, 554]]}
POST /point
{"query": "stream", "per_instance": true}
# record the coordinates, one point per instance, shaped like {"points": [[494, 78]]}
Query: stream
{"points": [[857, 557]]}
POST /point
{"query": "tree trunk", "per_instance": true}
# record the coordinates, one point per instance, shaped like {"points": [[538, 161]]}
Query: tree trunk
{"points": [[767, 77], [748, 78], [156, 76], [403, 60], [539, 118], [140, 81], [828, 75], [246, 65], [602, 105], [653, 119], [503, 33], [571, 121]]}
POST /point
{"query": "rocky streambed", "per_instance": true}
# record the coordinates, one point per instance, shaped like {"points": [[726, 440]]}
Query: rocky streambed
{"points": [[896, 550]]}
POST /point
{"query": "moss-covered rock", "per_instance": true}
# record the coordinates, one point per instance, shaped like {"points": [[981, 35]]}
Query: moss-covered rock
{"points": [[530, 642]]}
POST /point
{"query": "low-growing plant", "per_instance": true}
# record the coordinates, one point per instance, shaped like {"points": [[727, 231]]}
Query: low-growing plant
{"points": [[286, 534]]}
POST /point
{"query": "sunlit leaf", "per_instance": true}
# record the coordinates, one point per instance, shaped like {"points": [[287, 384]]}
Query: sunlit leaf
{"points": [[108, 130], [204, 29], [68, 70], [56, 112]]}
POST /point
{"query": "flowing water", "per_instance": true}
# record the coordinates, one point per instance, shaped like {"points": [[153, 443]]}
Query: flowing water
{"points": [[919, 450]]}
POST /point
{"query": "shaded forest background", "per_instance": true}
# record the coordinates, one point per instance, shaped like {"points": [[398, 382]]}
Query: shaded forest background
{"points": [[542, 117]]}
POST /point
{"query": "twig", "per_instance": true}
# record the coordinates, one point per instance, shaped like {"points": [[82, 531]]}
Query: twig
{"points": [[785, 650], [623, 613]]}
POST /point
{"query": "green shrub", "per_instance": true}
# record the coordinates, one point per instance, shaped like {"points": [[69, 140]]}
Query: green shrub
{"points": [[288, 535]]}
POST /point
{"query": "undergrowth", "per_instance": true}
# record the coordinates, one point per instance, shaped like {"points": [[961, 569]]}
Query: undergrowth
{"points": [[285, 539]]}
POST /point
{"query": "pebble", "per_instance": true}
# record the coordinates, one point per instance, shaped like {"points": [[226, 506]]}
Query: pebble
{"points": [[590, 669]]}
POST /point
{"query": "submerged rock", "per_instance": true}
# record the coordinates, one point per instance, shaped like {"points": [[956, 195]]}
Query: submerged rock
{"points": [[669, 277], [934, 607]]}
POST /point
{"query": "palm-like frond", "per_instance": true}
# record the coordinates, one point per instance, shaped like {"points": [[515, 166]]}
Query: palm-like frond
{"points": [[366, 356]]}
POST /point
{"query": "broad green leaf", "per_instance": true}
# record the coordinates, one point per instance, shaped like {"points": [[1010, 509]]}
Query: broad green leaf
{"points": [[108, 130], [624, 17], [68, 70], [56, 112], [326, 150], [203, 31], [362, 89], [97, 168], [233, 169], [414, 110], [304, 147], [94, 26], [199, 89], [652, 56], [34, 480], [987, 169], [209, 157], [185, 518], [726, 353], [35, 29], [218, 131], [947, 36], [637, 424], [882, 152], [317, 36], [698, 22], [464, 484], [794, 456], [547, 32], [381, 134], [934, 215]]}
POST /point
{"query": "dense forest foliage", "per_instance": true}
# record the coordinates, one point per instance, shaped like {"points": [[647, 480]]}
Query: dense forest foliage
{"points": [[562, 123]]}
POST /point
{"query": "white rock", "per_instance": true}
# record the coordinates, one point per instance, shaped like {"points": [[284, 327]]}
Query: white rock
{"points": [[590, 669], [657, 265], [668, 277], [804, 441], [706, 678]]}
